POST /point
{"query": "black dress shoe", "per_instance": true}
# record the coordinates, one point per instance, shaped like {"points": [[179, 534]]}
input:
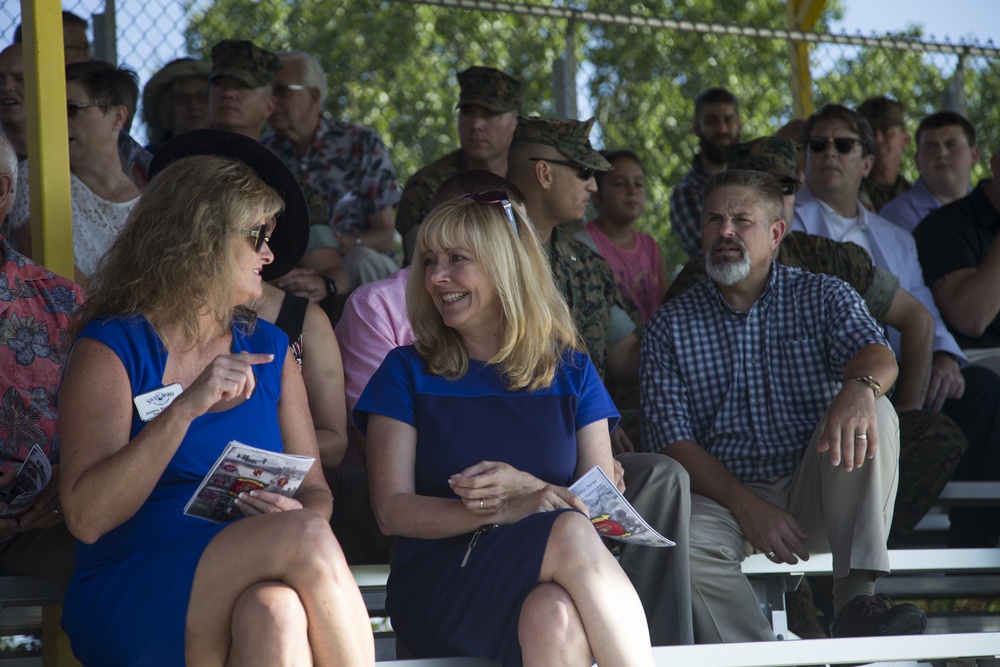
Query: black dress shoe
{"points": [[876, 616]]}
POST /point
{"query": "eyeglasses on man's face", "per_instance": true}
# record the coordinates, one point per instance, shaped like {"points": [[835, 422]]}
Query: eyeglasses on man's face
{"points": [[72, 108], [284, 90], [844, 145]]}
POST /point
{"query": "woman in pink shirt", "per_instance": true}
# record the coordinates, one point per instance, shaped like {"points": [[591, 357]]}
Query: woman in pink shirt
{"points": [[640, 269]]}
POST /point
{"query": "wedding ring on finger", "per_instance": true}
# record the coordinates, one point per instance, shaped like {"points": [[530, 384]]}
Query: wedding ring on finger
{"points": [[770, 555], [480, 503], [56, 511], [860, 436]]}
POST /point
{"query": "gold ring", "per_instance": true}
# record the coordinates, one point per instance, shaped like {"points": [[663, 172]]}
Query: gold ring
{"points": [[480, 503]]}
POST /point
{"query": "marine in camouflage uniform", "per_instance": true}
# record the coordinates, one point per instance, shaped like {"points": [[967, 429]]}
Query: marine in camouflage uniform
{"points": [[883, 114], [482, 86], [601, 314], [656, 485], [599, 310], [931, 444]]}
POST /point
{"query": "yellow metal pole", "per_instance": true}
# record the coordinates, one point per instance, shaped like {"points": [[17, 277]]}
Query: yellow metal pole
{"points": [[45, 89], [802, 15]]}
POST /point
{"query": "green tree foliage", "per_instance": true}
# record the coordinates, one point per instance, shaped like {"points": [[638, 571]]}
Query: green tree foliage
{"points": [[392, 66]]}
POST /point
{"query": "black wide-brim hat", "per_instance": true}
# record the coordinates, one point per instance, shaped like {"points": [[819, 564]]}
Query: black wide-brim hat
{"points": [[291, 232]]}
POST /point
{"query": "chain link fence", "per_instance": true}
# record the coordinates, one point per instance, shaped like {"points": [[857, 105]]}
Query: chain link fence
{"points": [[637, 67]]}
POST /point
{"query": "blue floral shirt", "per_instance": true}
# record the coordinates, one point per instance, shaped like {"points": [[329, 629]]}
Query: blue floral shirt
{"points": [[348, 166], [36, 308]]}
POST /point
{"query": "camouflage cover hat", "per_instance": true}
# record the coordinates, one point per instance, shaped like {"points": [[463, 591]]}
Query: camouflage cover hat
{"points": [[882, 113], [245, 61], [773, 155], [569, 137], [489, 88]]}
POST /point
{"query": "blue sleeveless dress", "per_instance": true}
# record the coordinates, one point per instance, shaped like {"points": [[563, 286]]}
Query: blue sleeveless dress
{"points": [[439, 608], [127, 602]]}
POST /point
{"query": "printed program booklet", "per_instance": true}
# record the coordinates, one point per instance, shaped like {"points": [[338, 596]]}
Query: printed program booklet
{"points": [[242, 469], [611, 514], [32, 477]]}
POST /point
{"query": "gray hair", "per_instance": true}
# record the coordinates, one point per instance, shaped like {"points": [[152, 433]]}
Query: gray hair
{"points": [[313, 75], [765, 186], [8, 159]]}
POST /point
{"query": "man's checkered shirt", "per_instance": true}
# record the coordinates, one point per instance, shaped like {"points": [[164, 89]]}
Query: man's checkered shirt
{"points": [[751, 387]]}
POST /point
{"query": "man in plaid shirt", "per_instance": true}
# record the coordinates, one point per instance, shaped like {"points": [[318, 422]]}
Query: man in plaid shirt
{"points": [[767, 383]]}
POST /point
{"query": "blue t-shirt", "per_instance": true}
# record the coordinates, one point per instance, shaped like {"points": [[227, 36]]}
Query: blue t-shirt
{"points": [[477, 418]]}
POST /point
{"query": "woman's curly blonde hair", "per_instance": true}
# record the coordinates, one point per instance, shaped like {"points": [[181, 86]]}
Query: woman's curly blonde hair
{"points": [[174, 261]]}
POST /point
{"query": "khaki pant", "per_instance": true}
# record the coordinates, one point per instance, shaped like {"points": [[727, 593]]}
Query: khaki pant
{"points": [[845, 513], [659, 489]]}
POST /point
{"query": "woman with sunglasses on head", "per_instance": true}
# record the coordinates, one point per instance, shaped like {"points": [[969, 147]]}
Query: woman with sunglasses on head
{"points": [[271, 588], [474, 433], [640, 268], [100, 102]]}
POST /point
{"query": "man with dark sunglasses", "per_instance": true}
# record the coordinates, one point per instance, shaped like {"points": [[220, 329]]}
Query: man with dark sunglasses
{"points": [[553, 163], [829, 206], [488, 105]]}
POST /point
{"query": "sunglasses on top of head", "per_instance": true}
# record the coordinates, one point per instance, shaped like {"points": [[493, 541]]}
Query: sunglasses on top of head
{"points": [[583, 173], [496, 197]]}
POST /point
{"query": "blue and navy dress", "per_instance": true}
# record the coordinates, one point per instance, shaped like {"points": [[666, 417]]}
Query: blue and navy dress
{"points": [[127, 603], [437, 607]]}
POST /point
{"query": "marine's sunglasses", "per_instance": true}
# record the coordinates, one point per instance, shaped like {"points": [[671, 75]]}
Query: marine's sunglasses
{"points": [[844, 145], [496, 197], [73, 108], [584, 173], [259, 236], [789, 186]]}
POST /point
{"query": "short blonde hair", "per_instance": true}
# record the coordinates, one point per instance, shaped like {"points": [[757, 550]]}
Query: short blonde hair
{"points": [[174, 258], [536, 326]]}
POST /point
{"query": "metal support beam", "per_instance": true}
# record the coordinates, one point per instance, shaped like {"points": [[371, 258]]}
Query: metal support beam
{"points": [[802, 16], [45, 99]]}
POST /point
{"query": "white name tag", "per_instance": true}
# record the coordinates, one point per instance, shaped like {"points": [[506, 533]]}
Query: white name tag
{"points": [[153, 403]]}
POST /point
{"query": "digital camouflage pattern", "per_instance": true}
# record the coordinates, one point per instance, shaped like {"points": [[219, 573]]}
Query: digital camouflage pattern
{"points": [[588, 285], [489, 88], [415, 202], [569, 137], [930, 448], [880, 194], [245, 61], [777, 156], [818, 254]]}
